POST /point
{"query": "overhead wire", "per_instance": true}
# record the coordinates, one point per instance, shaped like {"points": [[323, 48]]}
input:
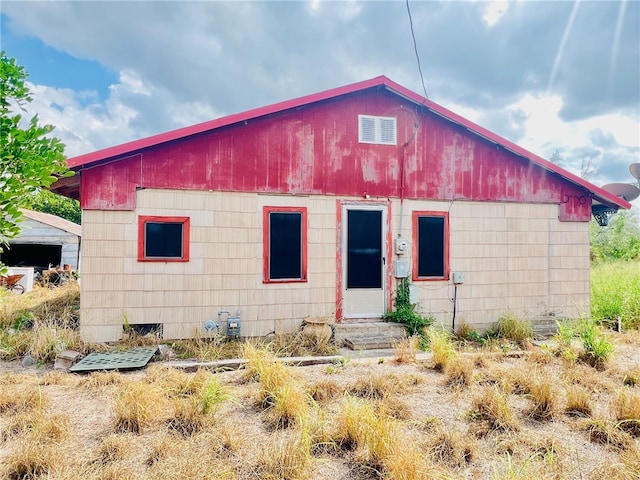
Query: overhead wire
{"points": [[415, 48]]}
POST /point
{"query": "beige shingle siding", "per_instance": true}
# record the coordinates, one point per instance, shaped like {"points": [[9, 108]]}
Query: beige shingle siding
{"points": [[516, 258]]}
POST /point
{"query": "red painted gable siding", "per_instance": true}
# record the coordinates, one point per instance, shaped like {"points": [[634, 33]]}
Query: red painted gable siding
{"points": [[315, 150]]}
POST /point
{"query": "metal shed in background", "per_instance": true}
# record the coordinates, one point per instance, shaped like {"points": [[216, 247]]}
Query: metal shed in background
{"points": [[44, 240]]}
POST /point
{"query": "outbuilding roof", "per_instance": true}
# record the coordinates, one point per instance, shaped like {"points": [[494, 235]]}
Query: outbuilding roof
{"points": [[70, 186], [53, 221]]}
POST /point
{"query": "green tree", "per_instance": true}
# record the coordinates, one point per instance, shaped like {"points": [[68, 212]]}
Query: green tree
{"points": [[49, 202], [620, 240], [31, 159]]}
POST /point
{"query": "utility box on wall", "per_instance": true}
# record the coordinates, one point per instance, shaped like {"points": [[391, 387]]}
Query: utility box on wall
{"points": [[402, 268]]}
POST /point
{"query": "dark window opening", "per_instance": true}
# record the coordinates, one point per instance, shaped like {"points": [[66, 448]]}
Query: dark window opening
{"points": [[31, 255], [163, 240], [364, 249], [431, 246], [285, 245]]}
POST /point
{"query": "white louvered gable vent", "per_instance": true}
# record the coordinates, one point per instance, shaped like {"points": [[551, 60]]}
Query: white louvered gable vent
{"points": [[380, 130]]}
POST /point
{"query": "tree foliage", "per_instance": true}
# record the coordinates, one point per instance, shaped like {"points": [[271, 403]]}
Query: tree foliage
{"points": [[620, 240], [49, 202], [31, 159]]}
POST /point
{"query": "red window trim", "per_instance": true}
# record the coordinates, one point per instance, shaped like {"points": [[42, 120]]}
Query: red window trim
{"points": [[265, 243], [142, 220], [414, 253]]}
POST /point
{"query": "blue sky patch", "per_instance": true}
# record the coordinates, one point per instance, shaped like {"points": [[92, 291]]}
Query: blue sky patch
{"points": [[51, 67]]}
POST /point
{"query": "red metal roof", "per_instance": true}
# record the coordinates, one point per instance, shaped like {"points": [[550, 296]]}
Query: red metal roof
{"points": [[100, 156]]}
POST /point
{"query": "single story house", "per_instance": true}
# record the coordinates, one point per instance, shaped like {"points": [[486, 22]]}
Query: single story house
{"points": [[44, 240], [317, 206]]}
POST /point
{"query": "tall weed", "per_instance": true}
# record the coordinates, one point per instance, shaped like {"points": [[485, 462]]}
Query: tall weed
{"points": [[597, 348], [614, 292]]}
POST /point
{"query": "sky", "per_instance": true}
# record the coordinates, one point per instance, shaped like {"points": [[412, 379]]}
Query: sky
{"points": [[553, 76]]}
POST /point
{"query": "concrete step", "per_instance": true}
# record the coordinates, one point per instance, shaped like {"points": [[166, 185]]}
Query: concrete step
{"points": [[369, 336], [371, 342], [544, 326]]}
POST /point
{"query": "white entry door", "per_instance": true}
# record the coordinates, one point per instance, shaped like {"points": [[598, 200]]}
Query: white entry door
{"points": [[363, 261]]}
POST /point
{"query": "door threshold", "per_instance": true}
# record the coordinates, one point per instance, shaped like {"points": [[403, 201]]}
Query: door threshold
{"points": [[362, 320]]}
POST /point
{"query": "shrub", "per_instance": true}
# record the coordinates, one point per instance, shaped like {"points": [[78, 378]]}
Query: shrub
{"points": [[405, 311]]}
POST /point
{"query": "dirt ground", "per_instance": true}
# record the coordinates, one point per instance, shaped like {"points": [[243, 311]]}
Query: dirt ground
{"points": [[429, 410]]}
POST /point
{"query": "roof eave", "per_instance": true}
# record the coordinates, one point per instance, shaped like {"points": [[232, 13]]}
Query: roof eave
{"points": [[99, 156]]}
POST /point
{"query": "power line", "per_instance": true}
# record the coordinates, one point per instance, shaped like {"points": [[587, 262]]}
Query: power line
{"points": [[415, 48]]}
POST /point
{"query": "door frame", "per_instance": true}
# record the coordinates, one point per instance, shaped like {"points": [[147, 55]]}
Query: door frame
{"points": [[385, 207]]}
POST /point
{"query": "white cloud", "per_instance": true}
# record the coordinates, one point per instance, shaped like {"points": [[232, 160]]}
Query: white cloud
{"points": [[494, 11], [85, 126]]}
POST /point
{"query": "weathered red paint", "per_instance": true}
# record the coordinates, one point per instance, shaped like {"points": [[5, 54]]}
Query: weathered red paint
{"points": [[309, 145]]}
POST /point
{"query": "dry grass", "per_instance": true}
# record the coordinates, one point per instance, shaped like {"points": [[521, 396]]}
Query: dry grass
{"points": [[378, 386], [578, 401], [607, 433], [405, 350], [492, 407], [631, 377], [33, 460], [324, 391], [18, 398], [38, 425], [398, 419], [98, 380], [136, 407], [515, 329], [459, 372], [288, 456], [543, 393], [627, 410], [451, 447], [442, 347]]}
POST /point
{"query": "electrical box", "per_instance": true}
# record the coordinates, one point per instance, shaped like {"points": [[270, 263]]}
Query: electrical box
{"points": [[402, 246], [402, 268], [458, 278]]}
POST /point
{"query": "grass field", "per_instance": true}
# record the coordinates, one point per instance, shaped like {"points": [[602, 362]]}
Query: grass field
{"points": [[615, 292], [470, 408]]}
